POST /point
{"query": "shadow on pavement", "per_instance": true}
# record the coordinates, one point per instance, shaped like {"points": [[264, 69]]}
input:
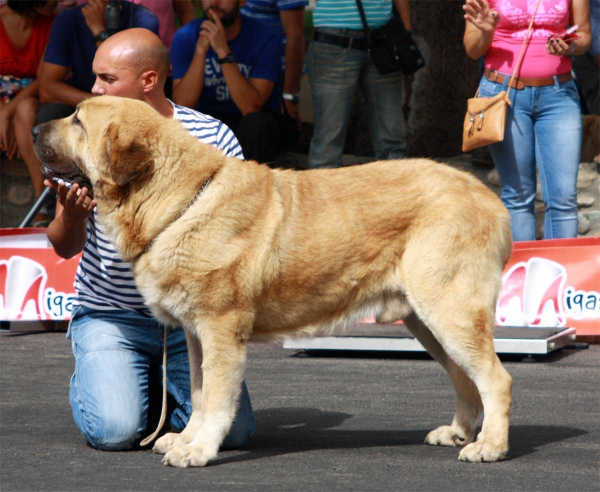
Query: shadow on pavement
{"points": [[282, 431], [528, 439]]}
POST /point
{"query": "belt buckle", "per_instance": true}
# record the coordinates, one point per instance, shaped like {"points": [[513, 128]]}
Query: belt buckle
{"points": [[493, 75]]}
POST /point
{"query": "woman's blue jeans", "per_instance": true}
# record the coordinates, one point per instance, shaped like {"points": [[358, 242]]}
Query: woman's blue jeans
{"points": [[544, 127], [118, 358], [335, 74]]}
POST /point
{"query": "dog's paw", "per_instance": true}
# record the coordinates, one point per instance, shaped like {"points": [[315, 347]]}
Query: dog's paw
{"points": [[167, 442], [482, 451], [447, 435], [185, 455]]}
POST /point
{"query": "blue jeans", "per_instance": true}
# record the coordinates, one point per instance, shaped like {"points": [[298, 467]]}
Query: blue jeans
{"points": [[335, 73], [118, 358], [543, 127]]}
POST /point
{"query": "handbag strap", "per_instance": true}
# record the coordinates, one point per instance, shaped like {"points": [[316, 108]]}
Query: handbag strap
{"points": [[363, 17], [520, 59]]}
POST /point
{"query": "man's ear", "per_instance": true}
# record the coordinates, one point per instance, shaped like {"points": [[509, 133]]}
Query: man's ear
{"points": [[150, 80], [128, 158]]}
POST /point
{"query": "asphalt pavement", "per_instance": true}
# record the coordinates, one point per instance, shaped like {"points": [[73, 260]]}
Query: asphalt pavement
{"points": [[333, 422]]}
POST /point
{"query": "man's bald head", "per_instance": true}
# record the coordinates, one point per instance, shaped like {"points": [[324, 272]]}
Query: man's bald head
{"points": [[138, 49]]}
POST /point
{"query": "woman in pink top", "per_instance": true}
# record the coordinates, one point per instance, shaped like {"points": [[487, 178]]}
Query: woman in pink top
{"points": [[544, 121]]}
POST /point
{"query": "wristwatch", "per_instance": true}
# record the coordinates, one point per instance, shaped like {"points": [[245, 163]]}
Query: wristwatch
{"points": [[293, 98], [103, 36], [228, 58]]}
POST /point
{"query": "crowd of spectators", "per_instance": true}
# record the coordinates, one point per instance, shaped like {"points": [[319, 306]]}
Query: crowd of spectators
{"points": [[242, 67], [242, 62]]}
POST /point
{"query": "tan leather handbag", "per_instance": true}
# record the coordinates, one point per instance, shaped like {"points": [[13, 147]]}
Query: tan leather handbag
{"points": [[485, 120]]}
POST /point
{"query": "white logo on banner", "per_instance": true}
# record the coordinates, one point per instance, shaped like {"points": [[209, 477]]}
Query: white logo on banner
{"points": [[532, 294], [23, 292]]}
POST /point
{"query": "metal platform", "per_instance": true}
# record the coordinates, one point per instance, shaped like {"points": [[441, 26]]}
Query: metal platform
{"points": [[397, 338]]}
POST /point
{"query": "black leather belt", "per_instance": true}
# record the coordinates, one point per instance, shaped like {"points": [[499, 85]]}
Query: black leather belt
{"points": [[345, 42]]}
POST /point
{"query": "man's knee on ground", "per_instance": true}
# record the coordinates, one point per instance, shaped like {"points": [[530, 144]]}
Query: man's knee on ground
{"points": [[237, 437], [242, 427], [113, 433]]}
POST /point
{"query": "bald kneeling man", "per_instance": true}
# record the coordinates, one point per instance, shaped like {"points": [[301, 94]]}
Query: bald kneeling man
{"points": [[118, 345]]}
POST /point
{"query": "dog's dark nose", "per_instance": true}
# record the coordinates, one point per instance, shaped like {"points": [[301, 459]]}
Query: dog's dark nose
{"points": [[35, 132]]}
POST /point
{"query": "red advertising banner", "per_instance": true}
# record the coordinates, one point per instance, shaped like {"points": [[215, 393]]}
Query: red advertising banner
{"points": [[35, 283], [552, 283], [546, 283]]}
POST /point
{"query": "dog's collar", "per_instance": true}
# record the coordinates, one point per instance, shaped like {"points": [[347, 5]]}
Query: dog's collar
{"points": [[179, 215]]}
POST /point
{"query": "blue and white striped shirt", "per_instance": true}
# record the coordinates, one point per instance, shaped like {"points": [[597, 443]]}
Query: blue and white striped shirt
{"points": [[104, 281], [343, 14]]}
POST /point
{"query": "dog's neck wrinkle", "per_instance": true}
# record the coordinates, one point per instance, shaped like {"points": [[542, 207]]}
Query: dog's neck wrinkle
{"points": [[142, 232], [125, 210], [121, 221]]}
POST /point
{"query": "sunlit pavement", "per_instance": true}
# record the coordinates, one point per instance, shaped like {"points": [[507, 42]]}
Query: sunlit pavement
{"points": [[335, 422]]}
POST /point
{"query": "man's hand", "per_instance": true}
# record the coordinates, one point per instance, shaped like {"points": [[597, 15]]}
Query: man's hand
{"points": [[67, 232], [202, 44], [93, 11], [479, 13], [77, 205], [214, 32]]}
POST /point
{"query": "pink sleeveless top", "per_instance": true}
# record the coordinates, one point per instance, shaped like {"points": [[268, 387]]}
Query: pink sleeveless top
{"points": [[552, 17]]}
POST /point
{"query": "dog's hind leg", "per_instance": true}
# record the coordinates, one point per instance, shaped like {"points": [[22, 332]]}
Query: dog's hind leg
{"points": [[468, 401], [495, 387], [223, 341], [466, 334], [454, 294], [170, 440]]}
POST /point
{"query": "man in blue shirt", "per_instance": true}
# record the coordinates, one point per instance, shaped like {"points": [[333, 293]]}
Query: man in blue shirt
{"points": [[228, 67], [66, 76]]}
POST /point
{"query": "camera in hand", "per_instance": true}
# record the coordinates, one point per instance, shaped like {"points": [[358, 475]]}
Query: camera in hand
{"points": [[112, 17]]}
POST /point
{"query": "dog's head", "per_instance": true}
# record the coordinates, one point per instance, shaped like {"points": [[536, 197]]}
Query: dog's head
{"points": [[104, 141]]}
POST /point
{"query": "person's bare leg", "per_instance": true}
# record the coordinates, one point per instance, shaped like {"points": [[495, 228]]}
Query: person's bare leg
{"points": [[24, 121]]}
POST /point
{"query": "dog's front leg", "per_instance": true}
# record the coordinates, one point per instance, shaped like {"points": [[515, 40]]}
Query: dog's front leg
{"points": [[170, 440], [224, 356]]}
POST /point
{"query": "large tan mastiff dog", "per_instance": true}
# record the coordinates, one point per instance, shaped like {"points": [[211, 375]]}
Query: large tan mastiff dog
{"points": [[262, 253]]}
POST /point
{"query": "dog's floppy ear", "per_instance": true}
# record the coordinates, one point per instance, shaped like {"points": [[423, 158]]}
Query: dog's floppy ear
{"points": [[128, 158]]}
